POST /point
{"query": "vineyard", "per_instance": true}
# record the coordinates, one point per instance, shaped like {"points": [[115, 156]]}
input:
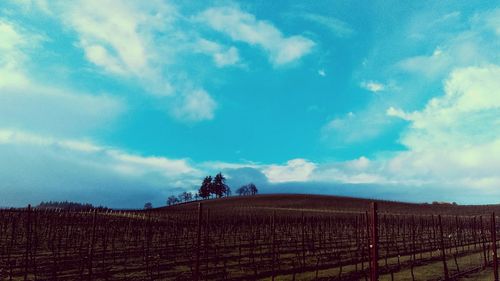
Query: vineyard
{"points": [[256, 238]]}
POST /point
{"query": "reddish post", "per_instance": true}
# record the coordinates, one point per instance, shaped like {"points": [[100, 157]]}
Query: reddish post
{"points": [[368, 236], [494, 246], [303, 242], [28, 242], [273, 246], [91, 246], [374, 244], [485, 264], [443, 253], [198, 244]]}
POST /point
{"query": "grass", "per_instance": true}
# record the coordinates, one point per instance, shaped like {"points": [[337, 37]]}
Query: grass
{"points": [[325, 203]]}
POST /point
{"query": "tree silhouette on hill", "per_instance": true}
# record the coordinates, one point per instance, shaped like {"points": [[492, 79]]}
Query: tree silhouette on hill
{"points": [[172, 200], [219, 187], [66, 205], [249, 189], [214, 186], [210, 186], [206, 187]]}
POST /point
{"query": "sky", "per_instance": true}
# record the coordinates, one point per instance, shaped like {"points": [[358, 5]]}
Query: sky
{"points": [[118, 103]]}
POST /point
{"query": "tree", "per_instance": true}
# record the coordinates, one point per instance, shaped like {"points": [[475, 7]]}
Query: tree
{"points": [[205, 188], [252, 189], [172, 200], [148, 206], [243, 190], [186, 196], [219, 187], [248, 189], [68, 206]]}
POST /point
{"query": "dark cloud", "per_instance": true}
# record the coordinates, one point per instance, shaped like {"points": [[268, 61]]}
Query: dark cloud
{"points": [[30, 174]]}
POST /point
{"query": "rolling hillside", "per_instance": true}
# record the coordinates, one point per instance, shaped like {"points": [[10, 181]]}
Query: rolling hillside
{"points": [[306, 202]]}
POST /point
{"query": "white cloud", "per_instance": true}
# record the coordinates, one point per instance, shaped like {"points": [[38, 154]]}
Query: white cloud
{"points": [[195, 105], [128, 40], [335, 25], [101, 57], [244, 27], [455, 138], [322, 72], [493, 20], [471, 102], [15, 42], [295, 170], [42, 108], [359, 164], [230, 57], [356, 171], [475, 45], [122, 41], [73, 169], [373, 86], [34, 5], [222, 55], [10, 38], [395, 112], [430, 66], [354, 127], [116, 32], [29, 104]]}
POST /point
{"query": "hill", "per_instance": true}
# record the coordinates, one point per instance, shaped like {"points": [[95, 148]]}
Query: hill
{"points": [[327, 203]]}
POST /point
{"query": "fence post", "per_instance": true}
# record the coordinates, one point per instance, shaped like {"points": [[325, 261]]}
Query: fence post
{"points": [[273, 245], [28, 242], [206, 242], [374, 243], [369, 262], [92, 241], [485, 264], [198, 243], [303, 242], [494, 245], [443, 253], [148, 244]]}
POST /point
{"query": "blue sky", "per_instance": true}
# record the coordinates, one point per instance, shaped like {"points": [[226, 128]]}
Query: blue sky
{"points": [[123, 102]]}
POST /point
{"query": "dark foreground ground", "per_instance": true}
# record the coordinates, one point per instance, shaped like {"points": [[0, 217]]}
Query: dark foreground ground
{"points": [[285, 237]]}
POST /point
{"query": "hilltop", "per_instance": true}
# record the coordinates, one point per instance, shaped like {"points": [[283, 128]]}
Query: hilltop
{"points": [[307, 202]]}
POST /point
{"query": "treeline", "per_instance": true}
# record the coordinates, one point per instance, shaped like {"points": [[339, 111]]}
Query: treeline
{"points": [[67, 205], [249, 189], [183, 197], [211, 187], [214, 187]]}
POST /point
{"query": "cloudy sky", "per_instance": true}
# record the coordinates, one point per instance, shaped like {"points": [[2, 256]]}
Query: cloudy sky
{"points": [[122, 102]]}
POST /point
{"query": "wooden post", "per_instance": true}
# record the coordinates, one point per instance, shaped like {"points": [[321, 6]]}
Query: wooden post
{"points": [[485, 263], [198, 243], [92, 241], [28, 242], [494, 246], [374, 243], [443, 253], [206, 242], [368, 242], [273, 245], [303, 242], [33, 247], [148, 244]]}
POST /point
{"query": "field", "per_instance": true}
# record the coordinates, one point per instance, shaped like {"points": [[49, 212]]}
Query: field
{"points": [[262, 237]]}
